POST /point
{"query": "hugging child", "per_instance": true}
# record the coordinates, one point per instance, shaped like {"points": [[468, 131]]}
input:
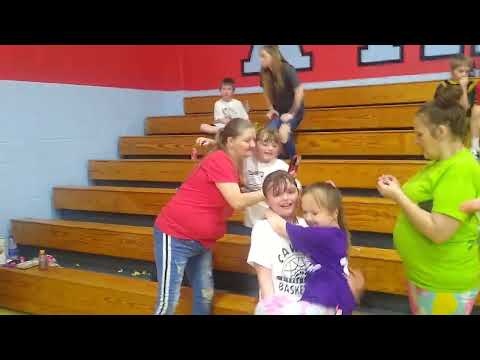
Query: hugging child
{"points": [[280, 268], [226, 108], [330, 287]]}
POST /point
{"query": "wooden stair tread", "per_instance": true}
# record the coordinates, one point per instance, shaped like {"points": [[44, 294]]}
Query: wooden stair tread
{"points": [[341, 143], [363, 212], [352, 117], [382, 94], [119, 189], [71, 291], [340, 171]]}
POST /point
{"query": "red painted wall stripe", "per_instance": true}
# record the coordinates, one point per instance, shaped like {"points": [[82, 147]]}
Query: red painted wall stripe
{"points": [[185, 67]]}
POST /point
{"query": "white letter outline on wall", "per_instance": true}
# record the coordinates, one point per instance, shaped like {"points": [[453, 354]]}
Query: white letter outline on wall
{"points": [[294, 54], [379, 54]]}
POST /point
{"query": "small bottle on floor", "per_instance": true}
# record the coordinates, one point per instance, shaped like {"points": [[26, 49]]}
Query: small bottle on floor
{"points": [[42, 260]]}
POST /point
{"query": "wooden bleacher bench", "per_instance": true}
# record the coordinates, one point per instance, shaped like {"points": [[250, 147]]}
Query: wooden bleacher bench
{"points": [[346, 143], [333, 97], [355, 117], [382, 267], [63, 291], [365, 172], [166, 125], [363, 213]]}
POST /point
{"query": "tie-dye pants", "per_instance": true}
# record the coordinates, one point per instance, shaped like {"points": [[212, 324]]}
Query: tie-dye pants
{"points": [[426, 302]]}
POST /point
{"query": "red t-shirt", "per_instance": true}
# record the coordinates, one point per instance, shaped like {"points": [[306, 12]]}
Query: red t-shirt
{"points": [[198, 211]]}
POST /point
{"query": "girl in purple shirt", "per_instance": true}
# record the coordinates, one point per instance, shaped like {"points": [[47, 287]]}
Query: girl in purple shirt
{"points": [[326, 242]]}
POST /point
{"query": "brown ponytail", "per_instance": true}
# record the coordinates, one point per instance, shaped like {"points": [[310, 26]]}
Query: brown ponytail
{"points": [[329, 197], [445, 109]]}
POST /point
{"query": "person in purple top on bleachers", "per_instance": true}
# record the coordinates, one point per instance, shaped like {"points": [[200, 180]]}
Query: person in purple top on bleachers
{"points": [[329, 287]]}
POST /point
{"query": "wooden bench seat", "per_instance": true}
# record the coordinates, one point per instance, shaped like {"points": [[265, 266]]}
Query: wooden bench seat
{"points": [[63, 291], [403, 93], [363, 213], [230, 253], [345, 143], [359, 174], [382, 267], [356, 117]]}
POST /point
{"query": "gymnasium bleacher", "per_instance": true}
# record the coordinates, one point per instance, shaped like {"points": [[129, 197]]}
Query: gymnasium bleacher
{"points": [[350, 135]]}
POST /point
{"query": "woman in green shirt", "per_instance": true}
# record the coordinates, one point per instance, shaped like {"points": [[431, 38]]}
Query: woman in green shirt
{"points": [[435, 239]]}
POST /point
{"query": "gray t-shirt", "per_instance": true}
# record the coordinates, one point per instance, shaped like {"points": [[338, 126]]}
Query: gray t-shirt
{"points": [[283, 98]]}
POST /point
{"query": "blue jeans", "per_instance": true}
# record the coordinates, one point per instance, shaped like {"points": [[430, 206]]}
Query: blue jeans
{"points": [[289, 147], [173, 258]]}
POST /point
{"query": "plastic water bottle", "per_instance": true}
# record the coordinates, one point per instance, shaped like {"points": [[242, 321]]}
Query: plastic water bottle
{"points": [[12, 248], [3, 250], [42, 260]]}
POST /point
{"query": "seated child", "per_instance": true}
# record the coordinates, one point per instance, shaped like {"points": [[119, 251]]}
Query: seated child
{"points": [[225, 109]]}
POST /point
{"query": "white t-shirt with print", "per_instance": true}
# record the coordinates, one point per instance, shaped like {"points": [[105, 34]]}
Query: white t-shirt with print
{"points": [[271, 251], [255, 172], [232, 109]]}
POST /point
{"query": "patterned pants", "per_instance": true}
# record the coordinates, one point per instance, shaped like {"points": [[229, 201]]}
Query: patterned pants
{"points": [[426, 302]]}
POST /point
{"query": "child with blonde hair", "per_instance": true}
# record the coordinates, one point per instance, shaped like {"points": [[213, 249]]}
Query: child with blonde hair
{"points": [[330, 287]]}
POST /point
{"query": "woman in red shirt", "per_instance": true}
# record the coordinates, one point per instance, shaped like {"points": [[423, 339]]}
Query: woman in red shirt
{"points": [[196, 217]]}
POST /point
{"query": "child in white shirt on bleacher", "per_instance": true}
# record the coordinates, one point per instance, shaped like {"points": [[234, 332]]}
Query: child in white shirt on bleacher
{"points": [[256, 168], [226, 108]]}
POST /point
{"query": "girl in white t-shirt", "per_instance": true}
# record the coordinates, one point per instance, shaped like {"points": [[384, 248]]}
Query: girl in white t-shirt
{"points": [[280, 269]]}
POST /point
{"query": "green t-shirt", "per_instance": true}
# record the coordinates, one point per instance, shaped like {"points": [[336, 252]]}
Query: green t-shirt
{"points": [[441, 187]]}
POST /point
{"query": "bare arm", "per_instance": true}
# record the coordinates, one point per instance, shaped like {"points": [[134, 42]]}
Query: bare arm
{"points": [[267, 101], [208, 129], [278, 224], [203, 141], [271, 111], [265, 282], [471, 206], [297, 102], [236, 199], [437, 227]]}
